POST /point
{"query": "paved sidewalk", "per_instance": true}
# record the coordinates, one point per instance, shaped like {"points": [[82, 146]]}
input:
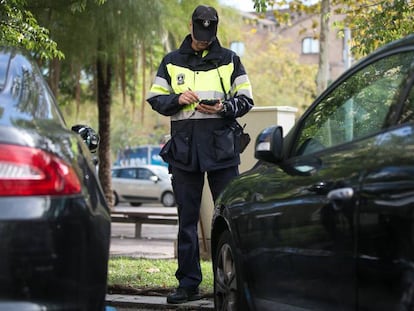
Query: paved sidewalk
{"points": [[157, 242]]}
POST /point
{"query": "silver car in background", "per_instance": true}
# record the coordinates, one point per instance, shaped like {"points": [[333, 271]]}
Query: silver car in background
{"points": [[142, 184]]}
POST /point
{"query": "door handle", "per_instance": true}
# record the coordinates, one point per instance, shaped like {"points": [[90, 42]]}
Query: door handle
{"points": [[341, 194]]}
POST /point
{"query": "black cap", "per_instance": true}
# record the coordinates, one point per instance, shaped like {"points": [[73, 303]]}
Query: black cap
{"points": [[205, 20]]}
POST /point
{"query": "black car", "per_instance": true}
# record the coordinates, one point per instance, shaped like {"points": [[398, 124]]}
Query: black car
{"points": [[325, 218], [54, 220]]}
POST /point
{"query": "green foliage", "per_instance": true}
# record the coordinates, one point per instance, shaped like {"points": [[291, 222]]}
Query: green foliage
{"points": [[261, 5], [126, 129], [139, 273], [131, 132], [277, 77], [80, 6], [88, 115], [373, 23], [18, 27]]}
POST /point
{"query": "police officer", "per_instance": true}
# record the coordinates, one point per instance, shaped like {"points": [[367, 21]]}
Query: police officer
{"points": [[202, 136]]}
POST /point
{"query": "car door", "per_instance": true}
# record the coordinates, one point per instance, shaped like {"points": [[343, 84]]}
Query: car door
{"points": [[148, 187], [126, 182], [306, 213], [385, 258]]}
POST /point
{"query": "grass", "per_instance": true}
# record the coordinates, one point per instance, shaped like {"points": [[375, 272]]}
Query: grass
{"points": [[150, 276]]}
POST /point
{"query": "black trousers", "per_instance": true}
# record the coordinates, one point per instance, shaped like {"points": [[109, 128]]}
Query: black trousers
{"points": [[188, 188]]}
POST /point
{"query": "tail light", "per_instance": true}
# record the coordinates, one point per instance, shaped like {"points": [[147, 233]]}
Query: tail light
{"points": [[28, 171]]}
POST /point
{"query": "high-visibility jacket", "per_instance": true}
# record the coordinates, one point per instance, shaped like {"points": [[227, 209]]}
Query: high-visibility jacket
{"points": [[201, 142]]}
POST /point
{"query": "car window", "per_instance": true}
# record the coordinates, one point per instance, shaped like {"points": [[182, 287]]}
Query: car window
{"points": [[144, 173], [129, 173], [408, 110], [356, 108]]}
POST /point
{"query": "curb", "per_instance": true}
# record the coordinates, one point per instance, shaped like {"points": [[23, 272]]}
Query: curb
{"points": [[131, 302]]}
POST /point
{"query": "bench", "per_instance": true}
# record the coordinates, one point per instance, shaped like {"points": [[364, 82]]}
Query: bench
{"points": [[143, 215]]}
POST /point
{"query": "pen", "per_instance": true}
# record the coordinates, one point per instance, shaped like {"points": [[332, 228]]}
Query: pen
{"points": [[191, 91]]}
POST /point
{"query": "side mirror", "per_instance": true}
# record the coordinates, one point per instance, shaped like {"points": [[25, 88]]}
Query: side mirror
{"points": [[89, 136], [269, 145], [154, 178]]}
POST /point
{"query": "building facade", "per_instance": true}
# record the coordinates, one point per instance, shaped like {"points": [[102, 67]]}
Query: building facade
{"points": [[301, 36]]}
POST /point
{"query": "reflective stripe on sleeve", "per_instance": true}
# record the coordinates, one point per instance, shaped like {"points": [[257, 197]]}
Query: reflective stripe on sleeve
{"points": [[242, 86], [159, 87]]}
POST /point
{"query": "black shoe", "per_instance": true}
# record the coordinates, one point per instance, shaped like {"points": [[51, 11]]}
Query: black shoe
{"points": [[182, 295]]}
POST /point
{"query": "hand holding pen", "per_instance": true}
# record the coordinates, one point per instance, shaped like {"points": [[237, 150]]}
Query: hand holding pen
{"points": [[188, 97]]}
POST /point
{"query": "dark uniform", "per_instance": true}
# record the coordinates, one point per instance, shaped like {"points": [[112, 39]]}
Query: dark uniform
{"points": [[199, 142]]}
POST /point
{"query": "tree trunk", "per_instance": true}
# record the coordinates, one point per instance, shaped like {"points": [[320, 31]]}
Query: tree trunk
{"points": [[134, 80], [77, 88], [144, 83], [54, 76], [323, 70], [104, 75], [123, 76]]}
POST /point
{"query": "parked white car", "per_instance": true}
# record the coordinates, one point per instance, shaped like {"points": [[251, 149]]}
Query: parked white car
{"points": [[142, 184]]}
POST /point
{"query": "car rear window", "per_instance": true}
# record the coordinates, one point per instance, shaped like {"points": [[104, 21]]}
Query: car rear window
{"points": [[33, 101], [4, 64]]}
